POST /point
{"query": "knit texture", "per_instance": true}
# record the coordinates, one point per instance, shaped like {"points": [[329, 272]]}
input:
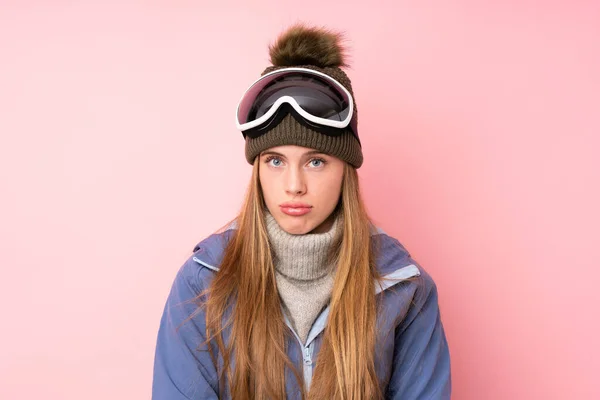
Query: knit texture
{"points": [[290, 132], [303, 272]]}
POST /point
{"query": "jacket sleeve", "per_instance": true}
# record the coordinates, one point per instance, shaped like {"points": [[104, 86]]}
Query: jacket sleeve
{"points": [[421, 368], [183, 369]]}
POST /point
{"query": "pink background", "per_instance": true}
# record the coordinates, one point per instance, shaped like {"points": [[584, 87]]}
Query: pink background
{"points": [[480, 123]]}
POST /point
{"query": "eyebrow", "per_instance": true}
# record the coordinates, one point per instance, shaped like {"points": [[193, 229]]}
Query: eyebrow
{"points": [[308, 153]]}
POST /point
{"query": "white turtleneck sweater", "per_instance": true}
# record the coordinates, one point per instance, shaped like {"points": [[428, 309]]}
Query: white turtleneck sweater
{"points": [[304, 276]]}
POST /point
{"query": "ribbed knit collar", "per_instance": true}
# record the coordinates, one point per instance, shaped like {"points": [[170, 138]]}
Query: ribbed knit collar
{"points": [[301, 257]]}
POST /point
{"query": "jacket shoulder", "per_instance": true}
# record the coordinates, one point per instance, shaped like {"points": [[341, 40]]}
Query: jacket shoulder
{"points": [[393, 256], [201, 266]]}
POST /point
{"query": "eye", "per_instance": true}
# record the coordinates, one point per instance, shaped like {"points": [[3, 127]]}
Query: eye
{"points": [[317, 162], [276, 161]]}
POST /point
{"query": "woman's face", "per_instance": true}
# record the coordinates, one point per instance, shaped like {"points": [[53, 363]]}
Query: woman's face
{"points": [[301, 187]]}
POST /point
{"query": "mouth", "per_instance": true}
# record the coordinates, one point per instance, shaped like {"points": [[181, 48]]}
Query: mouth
{"points": [[295, 209]]}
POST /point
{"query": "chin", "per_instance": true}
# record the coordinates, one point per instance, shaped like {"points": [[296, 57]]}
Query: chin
{"points": [[295, 230], [295, 226]]}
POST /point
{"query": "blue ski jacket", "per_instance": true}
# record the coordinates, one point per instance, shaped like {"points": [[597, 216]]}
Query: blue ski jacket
{"points": [[412, 355]]}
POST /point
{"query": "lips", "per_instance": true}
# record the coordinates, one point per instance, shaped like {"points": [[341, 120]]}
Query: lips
{"points": [[295, 209]]}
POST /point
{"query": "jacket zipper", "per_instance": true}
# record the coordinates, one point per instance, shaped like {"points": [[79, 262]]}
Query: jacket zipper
{"points": [[307, 352], [307, 366]]}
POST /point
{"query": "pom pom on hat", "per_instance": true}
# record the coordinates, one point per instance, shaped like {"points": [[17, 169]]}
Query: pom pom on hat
{"points": [[303, 45]]}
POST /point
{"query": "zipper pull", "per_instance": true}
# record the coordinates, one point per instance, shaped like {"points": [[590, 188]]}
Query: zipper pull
{"points": [[307, 358]]}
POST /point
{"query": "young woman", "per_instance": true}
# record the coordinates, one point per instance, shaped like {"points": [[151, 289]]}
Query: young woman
{"points": [[301, 297]]}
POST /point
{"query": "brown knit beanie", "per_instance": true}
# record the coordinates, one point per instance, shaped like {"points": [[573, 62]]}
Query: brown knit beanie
{"points": [[320, 50]]}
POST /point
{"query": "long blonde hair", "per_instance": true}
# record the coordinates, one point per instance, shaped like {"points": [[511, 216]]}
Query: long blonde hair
{"points": [[243, 297]]}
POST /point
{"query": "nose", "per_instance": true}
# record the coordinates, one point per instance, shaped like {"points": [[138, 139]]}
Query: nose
{"points": [[295, 183]]}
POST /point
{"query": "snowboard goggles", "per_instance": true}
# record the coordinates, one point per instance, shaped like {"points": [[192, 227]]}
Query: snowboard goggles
{"points": [[314, 98]]}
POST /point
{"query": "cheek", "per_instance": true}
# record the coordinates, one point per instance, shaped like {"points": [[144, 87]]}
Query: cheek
{"points": [[330, 188], [266, 183]]}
